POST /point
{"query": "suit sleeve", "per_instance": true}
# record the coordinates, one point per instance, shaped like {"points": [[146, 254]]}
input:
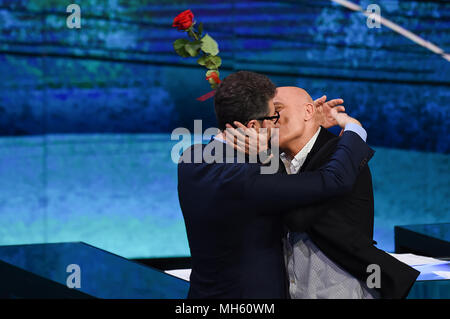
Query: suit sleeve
{"points": [[301, 219], [272, 193]]}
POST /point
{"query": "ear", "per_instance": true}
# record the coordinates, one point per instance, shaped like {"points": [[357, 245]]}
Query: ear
{"points": [[253, 124], [309, 111]]}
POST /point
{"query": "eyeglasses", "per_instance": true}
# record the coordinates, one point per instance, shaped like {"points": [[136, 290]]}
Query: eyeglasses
{"points": [[275, 117]]}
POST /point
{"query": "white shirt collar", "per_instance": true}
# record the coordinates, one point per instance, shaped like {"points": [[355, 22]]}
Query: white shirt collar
{"points": [[294, 165]]}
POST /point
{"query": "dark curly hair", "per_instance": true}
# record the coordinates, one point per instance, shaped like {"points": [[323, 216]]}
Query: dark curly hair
{"points": [[242, 96]]}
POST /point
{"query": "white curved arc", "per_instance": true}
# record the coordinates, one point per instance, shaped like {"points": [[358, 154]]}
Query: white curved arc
{"points": [[395, 27]]}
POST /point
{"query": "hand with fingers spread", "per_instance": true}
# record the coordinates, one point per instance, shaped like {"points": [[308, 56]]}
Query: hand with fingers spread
{"points": [[323, 109], [247, 140]]}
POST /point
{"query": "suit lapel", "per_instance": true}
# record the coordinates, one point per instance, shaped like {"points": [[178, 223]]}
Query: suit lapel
{"points": [[324, 137]]}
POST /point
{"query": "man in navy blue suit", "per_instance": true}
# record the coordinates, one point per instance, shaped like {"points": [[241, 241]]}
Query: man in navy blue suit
{"points": [[233, 213]]}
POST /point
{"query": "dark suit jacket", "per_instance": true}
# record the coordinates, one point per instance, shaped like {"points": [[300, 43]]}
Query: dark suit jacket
{"points": [[232, 214], [343, 227]]}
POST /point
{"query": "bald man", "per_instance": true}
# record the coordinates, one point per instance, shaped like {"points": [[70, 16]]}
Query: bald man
{"points": [[330, 246]]}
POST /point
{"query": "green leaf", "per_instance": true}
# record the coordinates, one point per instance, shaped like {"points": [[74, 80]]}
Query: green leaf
{"points": [[209, 45], [210, 61], [180, 43], [179, 46], [213, 62], [193, 47], [200, 28], [202, 60]]}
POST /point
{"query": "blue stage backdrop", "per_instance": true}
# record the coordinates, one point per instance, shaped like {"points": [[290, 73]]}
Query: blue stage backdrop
{"points": [[86, 114]]}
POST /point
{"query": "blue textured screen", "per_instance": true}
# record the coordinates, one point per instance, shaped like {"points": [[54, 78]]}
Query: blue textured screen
{"points": [[86, 114]]}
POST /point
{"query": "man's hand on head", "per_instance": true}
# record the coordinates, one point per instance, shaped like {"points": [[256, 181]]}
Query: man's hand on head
{"points": [[323, 109], [247, 140], [342, 119]]}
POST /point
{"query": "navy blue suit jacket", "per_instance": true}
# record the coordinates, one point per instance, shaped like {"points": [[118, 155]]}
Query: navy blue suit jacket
{"points": [[233, 216]]}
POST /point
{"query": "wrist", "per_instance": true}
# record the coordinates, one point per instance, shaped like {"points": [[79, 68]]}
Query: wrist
{"points": [[353, 121]]}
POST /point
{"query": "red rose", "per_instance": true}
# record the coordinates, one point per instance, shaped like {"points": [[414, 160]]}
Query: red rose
{"points": [[184, 20]]}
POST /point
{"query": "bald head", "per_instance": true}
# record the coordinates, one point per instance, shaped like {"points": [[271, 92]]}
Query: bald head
{"points": [[297, 117], [292, 94]]}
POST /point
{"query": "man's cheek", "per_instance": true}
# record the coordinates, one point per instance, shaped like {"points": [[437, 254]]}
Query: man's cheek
{"points": [[285, 122], [283, 131]]}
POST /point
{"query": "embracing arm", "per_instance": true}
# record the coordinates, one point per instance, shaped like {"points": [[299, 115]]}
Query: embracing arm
{"points": [[277, 192]]}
